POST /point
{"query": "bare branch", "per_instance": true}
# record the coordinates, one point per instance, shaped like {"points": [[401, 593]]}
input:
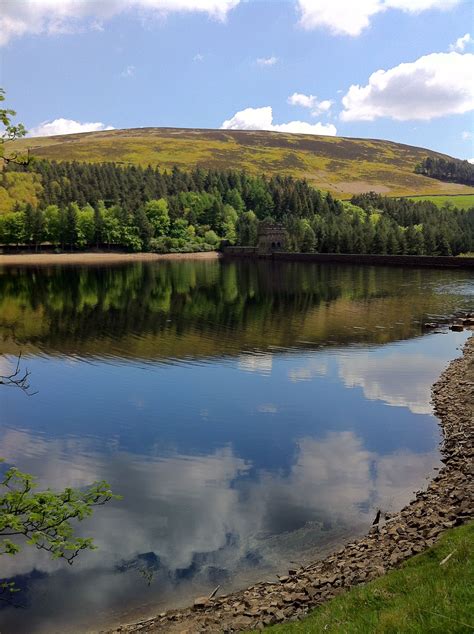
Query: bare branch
{"points": [[18, 378]]}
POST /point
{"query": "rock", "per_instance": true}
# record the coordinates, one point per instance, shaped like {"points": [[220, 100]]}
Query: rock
{"points": [[283, 578], [201, 602], [456, 327]]}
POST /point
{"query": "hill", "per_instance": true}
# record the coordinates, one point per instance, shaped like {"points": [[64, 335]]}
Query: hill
{"points": [[343, 166]]}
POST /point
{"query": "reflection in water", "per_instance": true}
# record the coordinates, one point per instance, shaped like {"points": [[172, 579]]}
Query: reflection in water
{"points": [[245, 412], [194, 310], [395, 378]]}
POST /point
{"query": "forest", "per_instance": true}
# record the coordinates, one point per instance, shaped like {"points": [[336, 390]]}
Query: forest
{"points": [[74, 205], [453, 171]]}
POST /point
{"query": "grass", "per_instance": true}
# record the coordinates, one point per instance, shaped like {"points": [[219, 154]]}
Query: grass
{"points": [[465, 201], [340, 165], [421, 597]]}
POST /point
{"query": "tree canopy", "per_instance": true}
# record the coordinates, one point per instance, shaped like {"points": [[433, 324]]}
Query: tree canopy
{"points": [[73, 205]]}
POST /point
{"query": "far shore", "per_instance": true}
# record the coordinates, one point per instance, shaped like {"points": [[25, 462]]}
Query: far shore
{"points": [[29, 259]]}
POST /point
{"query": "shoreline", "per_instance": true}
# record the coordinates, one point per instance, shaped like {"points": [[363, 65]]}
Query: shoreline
{"points": [[359, 259], [95, 258], [103, 258], [446, 502]]}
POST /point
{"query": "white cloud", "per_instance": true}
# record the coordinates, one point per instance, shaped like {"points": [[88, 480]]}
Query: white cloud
{"points": [[466, 135], [417, 6], [65, 16], [311, 102], [305, 101], [461, 43], [471, 160], [199, 57], [66, 126], [267, 61], [339, 16], [323, 106], [128, 71], [434, 85], [262, 119], [351, 17]]}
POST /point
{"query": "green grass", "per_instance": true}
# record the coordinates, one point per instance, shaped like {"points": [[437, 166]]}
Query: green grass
{"points": [[343, 166], [421, 597], [465, 201]]}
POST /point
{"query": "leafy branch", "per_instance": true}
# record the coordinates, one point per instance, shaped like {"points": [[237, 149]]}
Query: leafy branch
{"points": [[10, 133], [43, 519]]}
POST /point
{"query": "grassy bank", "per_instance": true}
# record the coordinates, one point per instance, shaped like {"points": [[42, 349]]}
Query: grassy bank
{"points": [[422, 596]]}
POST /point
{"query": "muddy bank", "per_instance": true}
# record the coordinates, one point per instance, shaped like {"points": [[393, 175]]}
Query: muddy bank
{"points": [[447, 502], [35, 259]]}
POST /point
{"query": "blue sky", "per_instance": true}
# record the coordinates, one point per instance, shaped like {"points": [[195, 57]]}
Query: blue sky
{"points": [[296, 65]]}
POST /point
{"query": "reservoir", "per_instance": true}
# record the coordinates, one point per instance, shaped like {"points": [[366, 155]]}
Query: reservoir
{"points": [[253, 415]]}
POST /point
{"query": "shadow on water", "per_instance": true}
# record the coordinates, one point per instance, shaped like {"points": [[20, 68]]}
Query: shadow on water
{"points": [[251, 414]]}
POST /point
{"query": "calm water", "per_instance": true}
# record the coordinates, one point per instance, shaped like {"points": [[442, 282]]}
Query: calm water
{"points": [[251, 415]]}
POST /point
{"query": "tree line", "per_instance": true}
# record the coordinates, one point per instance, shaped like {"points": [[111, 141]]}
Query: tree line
{"points": [[83, 205], [452, 170]]}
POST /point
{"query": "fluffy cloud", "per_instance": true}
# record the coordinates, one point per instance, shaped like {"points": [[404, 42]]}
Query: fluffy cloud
{"points": [[471, 160], [350, 17], [262, 119], [305, 101], [66, 126], [311, 102], [434, 85], [466, 135], [461, 43], [66, 16], [267, 61]]}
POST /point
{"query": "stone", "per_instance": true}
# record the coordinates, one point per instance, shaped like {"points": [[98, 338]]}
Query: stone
{"points": [[201, 602]]}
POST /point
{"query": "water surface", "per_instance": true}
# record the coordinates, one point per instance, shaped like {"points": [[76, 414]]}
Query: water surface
{"points": [[251, 414]]}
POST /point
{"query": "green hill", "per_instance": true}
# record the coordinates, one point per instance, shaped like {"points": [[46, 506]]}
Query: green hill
{"points": [[343, 166]]}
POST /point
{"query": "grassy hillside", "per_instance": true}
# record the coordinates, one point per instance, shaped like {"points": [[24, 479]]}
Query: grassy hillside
{"points": [[340, 165], [464, 201]]}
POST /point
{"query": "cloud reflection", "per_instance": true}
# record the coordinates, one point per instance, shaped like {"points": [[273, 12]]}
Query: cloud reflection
{"points": [[200, 518], [309, 371], [400, 380], [259, 363]]}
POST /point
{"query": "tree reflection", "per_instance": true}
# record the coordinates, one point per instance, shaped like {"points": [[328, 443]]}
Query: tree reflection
{"points": [[212, 308]]}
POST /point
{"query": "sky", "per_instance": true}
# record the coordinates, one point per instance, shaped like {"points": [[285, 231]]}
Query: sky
{"points": [[401, 70]]}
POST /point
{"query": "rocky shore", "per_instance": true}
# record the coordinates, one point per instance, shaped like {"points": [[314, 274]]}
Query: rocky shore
{"points": [[447, 502]]}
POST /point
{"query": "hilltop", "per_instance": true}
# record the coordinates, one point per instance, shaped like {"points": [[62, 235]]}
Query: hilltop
{"points": [[343, 166]]}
